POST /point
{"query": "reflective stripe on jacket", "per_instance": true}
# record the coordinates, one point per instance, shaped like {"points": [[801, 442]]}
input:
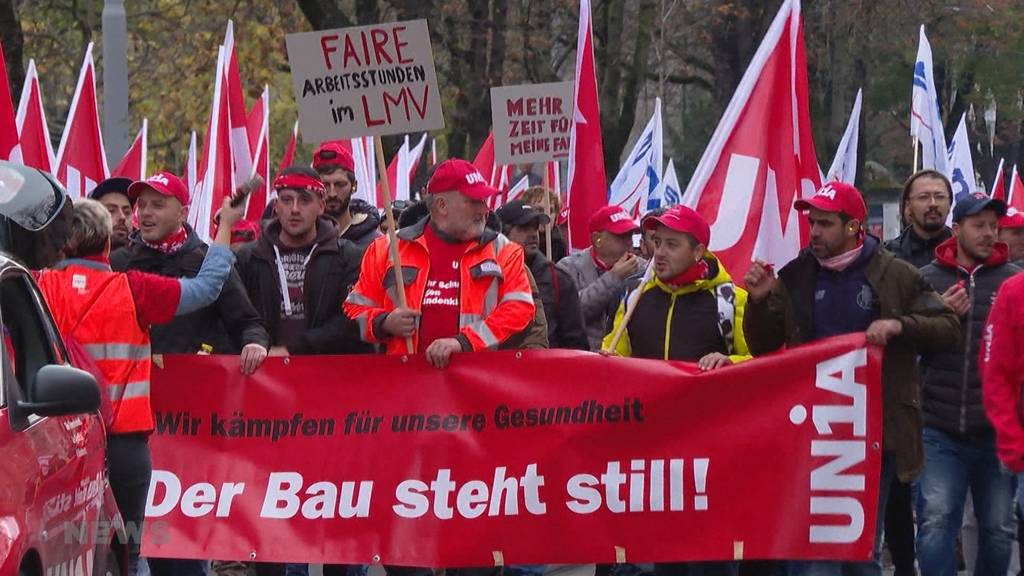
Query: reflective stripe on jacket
{"points": [[495, 300], [96, 306]]}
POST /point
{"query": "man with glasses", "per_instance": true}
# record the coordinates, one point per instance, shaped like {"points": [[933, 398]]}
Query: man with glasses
{"points": [[358, 221]]}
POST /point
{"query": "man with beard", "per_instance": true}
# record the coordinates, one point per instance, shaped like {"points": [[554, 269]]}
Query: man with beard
{"points": [[959, 442], [521, 223], [358, 221], [466, 285], [924, 206], [845, 282], [113, 194]]}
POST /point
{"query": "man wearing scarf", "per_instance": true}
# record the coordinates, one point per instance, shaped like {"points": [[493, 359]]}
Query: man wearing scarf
{"points": [[959, 441], [846, 282], [164, 244], [689, 309]]}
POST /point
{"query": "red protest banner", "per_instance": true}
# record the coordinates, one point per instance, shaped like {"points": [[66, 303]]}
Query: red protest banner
{"points": [[545, 457]]}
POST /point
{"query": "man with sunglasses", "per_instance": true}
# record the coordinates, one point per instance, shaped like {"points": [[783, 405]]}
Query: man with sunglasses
{"points": [[358, 221]]}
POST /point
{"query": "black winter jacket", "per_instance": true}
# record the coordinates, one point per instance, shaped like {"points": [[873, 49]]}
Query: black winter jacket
{"points": [[911, 248], [364, 232], [227, 325], [561, 304], [330, 274], [951, 391]]}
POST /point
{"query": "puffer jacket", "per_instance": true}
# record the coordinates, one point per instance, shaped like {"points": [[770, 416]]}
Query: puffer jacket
{"points": [[686, 322], [951, 386]]}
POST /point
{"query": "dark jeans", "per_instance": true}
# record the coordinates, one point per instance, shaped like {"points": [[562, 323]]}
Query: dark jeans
{"points": [[952, 466], [130, 468]]}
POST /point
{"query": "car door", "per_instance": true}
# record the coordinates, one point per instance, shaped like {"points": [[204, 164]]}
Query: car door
{"points": [[52, 469]]}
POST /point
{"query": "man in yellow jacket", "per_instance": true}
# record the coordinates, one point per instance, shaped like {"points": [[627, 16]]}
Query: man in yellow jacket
{"points": [[689, 308]]}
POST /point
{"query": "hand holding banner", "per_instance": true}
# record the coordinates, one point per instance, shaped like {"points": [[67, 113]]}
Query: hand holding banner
{"points": [[547, 457]]}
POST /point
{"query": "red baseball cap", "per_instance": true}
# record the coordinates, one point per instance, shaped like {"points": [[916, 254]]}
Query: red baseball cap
{"points": [[1014, 219], [333, 153], [455, 175], [682, 219], [835, 197], [613, 219], [163, 183]]}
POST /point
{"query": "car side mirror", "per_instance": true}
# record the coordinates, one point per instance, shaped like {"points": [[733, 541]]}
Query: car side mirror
{"points": [[60, 390]]}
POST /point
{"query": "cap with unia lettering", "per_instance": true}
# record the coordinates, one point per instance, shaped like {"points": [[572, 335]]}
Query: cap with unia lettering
{"points": [[836, 197], [613, 219], [457, 175], [163, 183]]}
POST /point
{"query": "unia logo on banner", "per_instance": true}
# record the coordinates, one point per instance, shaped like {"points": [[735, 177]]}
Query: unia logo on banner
{"points": [[836, 504]]}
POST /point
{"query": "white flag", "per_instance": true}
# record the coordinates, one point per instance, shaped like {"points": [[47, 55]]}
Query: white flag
{"points": [[961, 165], [639, 176], [925, 120], [668, 192], [844, 165]]}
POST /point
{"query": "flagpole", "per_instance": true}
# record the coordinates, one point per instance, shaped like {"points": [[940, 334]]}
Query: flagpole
{"points": [[917, 150], [547, 210], [631, 302], [396, 261]]}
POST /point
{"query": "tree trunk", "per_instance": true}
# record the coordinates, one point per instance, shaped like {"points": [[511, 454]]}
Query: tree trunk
{"points": [[14, 47]]}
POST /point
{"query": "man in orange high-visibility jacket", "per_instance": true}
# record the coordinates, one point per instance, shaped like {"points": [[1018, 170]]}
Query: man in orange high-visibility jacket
{"points": [[466, 286]]}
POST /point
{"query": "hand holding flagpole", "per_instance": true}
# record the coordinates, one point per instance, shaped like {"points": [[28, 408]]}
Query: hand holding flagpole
{"points": [[631, 301]]}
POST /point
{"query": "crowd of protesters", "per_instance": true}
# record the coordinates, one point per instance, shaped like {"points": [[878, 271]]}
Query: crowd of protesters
{"points": [[315, 277]]}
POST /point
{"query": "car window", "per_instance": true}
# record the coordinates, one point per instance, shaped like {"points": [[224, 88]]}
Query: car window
{"points": [[28, 338]]}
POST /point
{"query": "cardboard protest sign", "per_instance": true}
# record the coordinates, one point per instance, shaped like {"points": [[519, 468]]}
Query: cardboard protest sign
{"points": [[365, 81], [531, 122]]}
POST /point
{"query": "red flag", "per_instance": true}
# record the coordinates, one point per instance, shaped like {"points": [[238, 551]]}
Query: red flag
{"points": [[554, 178], [133, 164], [999, 186], [35, 148], [189, 174], [81, 161], [1015, 199], [497, 176], [8, 125], [216, 168], [745, 183], [259, 118], [242, 143], [588, 190], [401, 169], [289, 150]]}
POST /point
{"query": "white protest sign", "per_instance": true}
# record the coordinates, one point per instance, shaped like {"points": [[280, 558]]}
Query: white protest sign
{"points": [[365, 81], [531, 122]]}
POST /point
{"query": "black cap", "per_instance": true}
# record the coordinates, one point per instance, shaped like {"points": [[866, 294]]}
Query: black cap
{"points": [[519, 213], [119, 185], [971, 204]]}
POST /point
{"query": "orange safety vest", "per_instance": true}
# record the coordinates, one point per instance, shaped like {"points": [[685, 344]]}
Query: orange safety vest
{"points": [[495, 298], [96, 306]]}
